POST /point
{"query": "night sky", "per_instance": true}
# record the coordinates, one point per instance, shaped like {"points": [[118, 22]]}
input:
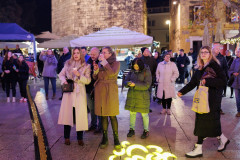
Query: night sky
{"points": [[35, 15]]}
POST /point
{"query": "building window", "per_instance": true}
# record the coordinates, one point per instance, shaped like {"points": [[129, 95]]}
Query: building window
{"points": [[195, 13], [96, 29]]}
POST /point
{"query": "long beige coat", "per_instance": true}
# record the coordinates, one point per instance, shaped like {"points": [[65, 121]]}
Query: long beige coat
{"points": [[76, 99], [166, 76], [106, 90]]}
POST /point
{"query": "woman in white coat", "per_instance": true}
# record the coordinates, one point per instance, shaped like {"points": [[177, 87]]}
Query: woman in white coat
{"points": [[166, 75], [74, 104]]}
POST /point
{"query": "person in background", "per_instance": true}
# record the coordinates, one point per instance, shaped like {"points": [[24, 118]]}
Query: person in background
{"points": [[166, 75], [189, 68], [74, 104], [173, 58], [49, 71], [96, 127], [229, 59], [65, 56], [182, 63], [4, 51], [129, 59], [10, 75], [138, 81], [23, 74], [85, 53], [1, 73], [223, 63], [40, 66], [158, 57], [56, 53], [17, 50], [208, 124], [106, 100], [235, 70]]}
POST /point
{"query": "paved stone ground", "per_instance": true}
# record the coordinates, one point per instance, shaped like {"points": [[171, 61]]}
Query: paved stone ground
{"points": [[173, 133]]}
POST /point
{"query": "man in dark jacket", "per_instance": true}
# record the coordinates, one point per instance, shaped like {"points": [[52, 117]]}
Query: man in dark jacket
{"points": [[94, 53], [65, 56], [223, 63], [17, 50], [182, 63], [4, 51]]}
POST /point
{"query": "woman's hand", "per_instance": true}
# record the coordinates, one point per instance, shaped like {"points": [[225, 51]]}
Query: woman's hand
{"points": [[76, 73], [203, 82], [7, 71], [236, 74], [101, 57], [179, 94]]}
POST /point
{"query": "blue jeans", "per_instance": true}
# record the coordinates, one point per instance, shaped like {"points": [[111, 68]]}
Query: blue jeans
{"points": [[94, 117], [237, 95], [46, 84], [145, 118]]}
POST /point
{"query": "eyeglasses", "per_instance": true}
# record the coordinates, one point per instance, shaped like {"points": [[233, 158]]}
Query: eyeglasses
{"points": [[204, 52]]}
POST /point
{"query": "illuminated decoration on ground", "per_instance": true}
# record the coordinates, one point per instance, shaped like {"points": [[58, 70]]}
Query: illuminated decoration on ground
{"points": [[127, 150], [231, 41]]}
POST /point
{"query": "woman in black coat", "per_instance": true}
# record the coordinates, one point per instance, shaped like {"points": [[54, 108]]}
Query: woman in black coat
{"points": [[23, 74], [208, 124], [229, 59], [10, 75]]}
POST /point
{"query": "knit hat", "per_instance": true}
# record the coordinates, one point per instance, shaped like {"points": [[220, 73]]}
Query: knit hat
{"points": [[143, 49]]}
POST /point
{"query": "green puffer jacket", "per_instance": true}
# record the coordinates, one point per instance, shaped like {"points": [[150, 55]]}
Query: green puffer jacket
{"points": [[138, 98]]}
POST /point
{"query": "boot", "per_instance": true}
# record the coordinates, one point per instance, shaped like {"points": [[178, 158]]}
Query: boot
{"points": [[54, 96], [67, 141], [116, 141], [131, 133], [14, 99], [8, 99], [104, 142], [223, 143], [196, 152]]}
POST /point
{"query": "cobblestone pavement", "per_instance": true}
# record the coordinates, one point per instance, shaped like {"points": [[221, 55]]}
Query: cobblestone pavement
{"points": [[173, 133]]}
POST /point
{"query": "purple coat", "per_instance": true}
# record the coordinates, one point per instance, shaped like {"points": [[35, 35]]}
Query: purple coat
{"points": [[50, 65]]}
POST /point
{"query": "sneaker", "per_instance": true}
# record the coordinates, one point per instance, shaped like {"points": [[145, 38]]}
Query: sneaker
{"points": [[223, 142], [25, 100], [8, 99], [182, 85], [163, 111], [231, 96], [224, 95], [131, 133], [145, 134], [168, 111], [176, 85], [14, 99], [21, 100], [196, 152], [238, 114]]}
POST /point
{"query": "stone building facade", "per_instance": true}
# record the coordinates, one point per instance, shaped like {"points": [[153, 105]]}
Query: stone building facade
{"points": [[81, 17], [184, 35]]}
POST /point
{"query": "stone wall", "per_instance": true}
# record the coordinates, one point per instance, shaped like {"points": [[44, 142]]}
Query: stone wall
{"points": [[82, 17]]}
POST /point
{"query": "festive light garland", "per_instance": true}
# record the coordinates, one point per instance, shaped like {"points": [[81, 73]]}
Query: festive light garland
{"points": [[231, 41]]}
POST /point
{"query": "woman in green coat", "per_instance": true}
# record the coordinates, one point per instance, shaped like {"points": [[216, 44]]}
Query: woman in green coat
{"points": [[138, 81]]}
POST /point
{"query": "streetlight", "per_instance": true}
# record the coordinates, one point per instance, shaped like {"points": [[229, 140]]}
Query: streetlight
{"points": [[167, 21], [174, 2]]}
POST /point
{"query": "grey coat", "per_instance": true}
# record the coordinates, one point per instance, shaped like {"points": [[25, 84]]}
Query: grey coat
{"points": [[50, 66], [235, 67]]}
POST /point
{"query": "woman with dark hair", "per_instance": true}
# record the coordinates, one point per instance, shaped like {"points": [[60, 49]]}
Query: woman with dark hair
{"points": [[23, 74], [74, 104], [10, 75], [138, 81], [106, 93], [166, 75], [211, 75], [49, 71]]}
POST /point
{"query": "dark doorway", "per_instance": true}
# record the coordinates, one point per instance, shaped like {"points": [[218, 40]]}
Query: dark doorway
{"points": [[197, 45]]}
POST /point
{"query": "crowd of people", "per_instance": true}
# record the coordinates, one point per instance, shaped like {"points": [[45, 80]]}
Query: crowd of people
{"points": [[94, 77]]}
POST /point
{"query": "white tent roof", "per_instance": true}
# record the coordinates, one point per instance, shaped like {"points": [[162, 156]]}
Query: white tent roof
{"points": [[47, 35], [57, 43], [114, 36]]}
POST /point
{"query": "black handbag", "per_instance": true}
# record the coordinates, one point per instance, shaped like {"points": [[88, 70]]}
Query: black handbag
{"points": [[230, 81], [69, 87]]}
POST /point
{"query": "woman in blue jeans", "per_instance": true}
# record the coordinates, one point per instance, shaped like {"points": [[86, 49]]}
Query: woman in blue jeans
{"points": [[49, 70], [138, 81]]}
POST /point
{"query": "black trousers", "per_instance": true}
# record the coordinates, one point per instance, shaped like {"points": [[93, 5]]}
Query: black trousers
{"points": [[10, 83], [181, 77], [22, 86], [166, 103], [67, 129]]}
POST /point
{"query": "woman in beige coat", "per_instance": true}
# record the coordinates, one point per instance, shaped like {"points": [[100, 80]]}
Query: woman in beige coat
{"points": [[74, 104], [106, 93], [166, 75]]}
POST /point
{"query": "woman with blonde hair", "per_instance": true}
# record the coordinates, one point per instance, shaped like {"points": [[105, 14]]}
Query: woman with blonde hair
{"points": [[209, 74], [74, 104]]}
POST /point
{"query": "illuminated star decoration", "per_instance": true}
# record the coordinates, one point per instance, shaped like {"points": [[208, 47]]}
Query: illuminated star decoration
{"points": [[127, 149]]}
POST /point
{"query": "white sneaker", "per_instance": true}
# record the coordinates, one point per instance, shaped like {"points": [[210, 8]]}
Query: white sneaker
{"points": [[14, 99], [25, 100], [223, 143], [182, 84], [163, 111], [176, 85], [168, 111], [196, 152], [8, 99], [21, 100]]}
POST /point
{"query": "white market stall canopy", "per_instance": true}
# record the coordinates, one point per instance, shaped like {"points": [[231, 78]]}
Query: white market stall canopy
{"points": [[47, 35], [114, 36], [57, 43]]}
